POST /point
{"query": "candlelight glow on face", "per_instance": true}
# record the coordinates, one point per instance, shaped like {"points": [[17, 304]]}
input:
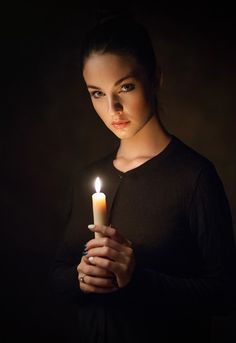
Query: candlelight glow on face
{"points": [[99, 205]]}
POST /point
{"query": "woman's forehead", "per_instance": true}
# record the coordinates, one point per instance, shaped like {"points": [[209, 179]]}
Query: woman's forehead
{"points": [[112, 65]]}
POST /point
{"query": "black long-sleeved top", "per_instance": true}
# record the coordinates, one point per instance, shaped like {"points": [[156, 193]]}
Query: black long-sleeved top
{"points": [[174, 210]]}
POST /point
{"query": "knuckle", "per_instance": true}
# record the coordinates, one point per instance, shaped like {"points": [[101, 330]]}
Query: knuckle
{"points": [[106, 241], [88, 279], [124, 268], [108, 263], [112, 231], [83, 259], [86, 269], [82, 287], [103, 229], [107, 250]]}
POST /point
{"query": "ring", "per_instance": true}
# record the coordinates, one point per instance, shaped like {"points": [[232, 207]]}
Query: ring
{"points": [[81, 279]]}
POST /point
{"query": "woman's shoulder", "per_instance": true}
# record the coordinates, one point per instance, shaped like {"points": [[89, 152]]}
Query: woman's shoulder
{"points": [[189, 170], [186, 165], [186, 156]]}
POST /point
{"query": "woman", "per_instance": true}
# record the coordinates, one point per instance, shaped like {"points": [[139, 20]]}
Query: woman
{"points": [[162, 266]]}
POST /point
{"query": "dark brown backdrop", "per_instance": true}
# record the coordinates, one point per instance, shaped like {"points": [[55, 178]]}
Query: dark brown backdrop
{"points": [[49, 131]]}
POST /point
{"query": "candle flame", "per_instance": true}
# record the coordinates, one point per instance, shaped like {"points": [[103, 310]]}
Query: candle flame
{"points": [[97, 184]]}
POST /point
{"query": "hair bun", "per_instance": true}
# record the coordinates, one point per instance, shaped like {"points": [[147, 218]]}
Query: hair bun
{"points": [[106, 15]]}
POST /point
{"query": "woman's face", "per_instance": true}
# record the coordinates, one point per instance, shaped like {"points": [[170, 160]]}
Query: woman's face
{"points": [[120, 92]]}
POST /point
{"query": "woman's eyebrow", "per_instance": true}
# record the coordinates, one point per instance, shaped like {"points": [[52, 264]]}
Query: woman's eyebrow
{"points": [[128, 76], [117, 82]]}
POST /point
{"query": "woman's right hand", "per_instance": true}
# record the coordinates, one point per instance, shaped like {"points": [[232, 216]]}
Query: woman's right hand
{"points": [[93, 279]]}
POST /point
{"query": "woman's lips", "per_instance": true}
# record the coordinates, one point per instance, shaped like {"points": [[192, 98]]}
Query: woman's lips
{"points": [[121, 124]]}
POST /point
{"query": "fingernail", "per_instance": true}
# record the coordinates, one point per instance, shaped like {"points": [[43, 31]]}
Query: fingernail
{"points": [[84, 253], [91, 226], [90, 259]]}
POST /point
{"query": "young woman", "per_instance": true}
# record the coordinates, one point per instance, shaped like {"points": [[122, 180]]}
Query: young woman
{"points": [[162, 266]]}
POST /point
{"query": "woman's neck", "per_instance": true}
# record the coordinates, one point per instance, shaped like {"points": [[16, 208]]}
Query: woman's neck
{"points": [[148, 142]]}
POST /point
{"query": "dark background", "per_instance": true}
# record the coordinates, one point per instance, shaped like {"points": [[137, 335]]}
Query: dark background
{"points": [[49, 131]]}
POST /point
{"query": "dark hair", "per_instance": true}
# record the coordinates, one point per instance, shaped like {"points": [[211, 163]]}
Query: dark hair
{"points": [[118, 32]]}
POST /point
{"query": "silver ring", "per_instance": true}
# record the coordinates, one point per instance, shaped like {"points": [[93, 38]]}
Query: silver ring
{"points": [[81, 279]]}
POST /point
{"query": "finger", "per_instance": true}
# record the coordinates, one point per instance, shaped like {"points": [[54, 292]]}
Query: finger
{"points": [[107, 264], [122, 256], [105, 241], [108, 231], [106, 252], [96, 285], [97, 281], [93, 270], [89, 269], [123, 272]]}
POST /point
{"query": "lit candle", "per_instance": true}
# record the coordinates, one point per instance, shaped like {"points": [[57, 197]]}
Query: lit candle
{"points": [[99, 206]]}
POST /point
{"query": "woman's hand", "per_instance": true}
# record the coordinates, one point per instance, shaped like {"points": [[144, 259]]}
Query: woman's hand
{"points": [[111, 253], [94, 279]]}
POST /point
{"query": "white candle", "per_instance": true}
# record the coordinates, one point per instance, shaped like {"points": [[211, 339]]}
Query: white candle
{"points": [[99, 206]]}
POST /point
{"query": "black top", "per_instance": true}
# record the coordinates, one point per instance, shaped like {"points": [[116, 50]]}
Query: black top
{"points": [[174, 210]]}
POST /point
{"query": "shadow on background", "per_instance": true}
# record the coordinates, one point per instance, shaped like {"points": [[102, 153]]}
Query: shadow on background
{"points": [[49, 131]]}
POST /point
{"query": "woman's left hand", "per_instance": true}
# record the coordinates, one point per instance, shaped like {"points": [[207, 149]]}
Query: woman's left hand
{"points": [[112, 252]]}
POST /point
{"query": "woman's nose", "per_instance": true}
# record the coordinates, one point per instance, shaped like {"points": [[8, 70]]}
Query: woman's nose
{"points": [[114, 105]]}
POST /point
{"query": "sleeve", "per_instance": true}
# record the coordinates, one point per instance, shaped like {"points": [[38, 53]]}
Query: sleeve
{"points": [[210, 223], [63, 273]]}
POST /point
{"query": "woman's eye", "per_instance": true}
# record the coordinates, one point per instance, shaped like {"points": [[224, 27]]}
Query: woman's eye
{"points": [[96, 94], [127, 87]]}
